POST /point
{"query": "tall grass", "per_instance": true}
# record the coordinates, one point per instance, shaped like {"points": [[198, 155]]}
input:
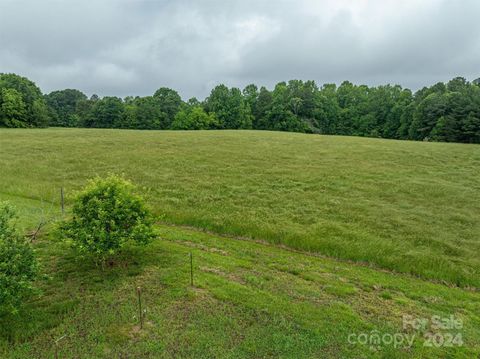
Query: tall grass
{"points": [[406, 206]]}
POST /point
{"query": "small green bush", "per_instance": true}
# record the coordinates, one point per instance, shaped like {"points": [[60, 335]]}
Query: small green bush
{"points": [[107, 215], [18, 265]]}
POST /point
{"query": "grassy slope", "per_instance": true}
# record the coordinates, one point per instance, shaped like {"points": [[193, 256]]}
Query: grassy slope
{"points": [[408, 206], [249, 300]]}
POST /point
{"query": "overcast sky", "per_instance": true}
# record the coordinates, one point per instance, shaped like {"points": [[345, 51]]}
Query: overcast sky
{"points": [[132, 47]]}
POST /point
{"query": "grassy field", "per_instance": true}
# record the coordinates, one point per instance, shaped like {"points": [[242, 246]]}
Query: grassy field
{"points": [[411, 207], [400, 206], [249, 300]]}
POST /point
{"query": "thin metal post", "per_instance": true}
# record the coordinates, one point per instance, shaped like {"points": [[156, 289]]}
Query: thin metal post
{"points": [[62, 200], [191, 269]]}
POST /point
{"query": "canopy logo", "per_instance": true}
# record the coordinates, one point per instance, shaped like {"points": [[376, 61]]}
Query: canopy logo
{"points": [[435, 331]]}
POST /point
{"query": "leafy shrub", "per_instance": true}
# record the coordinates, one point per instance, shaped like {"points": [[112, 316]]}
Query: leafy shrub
{"points": [[18, 265], [194, 118], [107, 215]]}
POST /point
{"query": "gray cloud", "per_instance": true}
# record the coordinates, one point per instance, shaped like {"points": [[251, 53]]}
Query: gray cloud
{"points": [[133, 47]]}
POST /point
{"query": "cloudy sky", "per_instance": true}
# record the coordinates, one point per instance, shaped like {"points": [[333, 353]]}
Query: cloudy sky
{"points": [[132, 47]]}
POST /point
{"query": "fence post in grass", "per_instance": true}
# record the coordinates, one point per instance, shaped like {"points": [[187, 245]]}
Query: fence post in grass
{"points": [[139, 292], [62, 202], [191, 269]]}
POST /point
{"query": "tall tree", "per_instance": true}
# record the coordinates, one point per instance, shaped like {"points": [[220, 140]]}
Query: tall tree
{"points": [[327, 109], [13, 111], [430, 110], [63, 106], [250, 94], [35, 107], [149, 115], [283, 115], [230, 107], [170, 103], [106, 113], [263, 104]]}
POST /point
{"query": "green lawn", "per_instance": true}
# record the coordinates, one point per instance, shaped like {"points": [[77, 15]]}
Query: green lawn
{"points": [[249, 300], [263, 287], [411, 207]]}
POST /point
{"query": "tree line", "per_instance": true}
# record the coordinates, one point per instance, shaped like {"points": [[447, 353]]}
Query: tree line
{"points": [[448, 112]]}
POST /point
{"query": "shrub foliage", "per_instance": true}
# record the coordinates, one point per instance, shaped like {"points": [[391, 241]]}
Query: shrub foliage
{"points": [[18, 265], [107, 215]]}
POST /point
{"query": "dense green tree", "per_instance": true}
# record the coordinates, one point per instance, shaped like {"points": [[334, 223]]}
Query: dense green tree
{"points": [[471, 128], [40, 114], [280, 119], [442, 112], [170, 103], [281, 116], [457, 84], [94, 98], [461, 111], [406, 120], [105, 113], [194, 118], [302, 98], [250, 94], [430, 110], [397, 113], [13, 111], [36, 112], [149, 115], [129, 116], [448, 127], [230, 107], [353, 104], [263, 104], [327, 109], [83, 111], [63, 107], [193, 102]]}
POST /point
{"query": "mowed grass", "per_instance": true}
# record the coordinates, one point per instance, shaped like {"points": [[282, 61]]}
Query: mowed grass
{"points": [[249, 300], [410, 207]]}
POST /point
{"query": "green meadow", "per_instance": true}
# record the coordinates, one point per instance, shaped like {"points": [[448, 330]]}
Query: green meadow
{"points": [[298, 242], [410, 207], [249, 300]]}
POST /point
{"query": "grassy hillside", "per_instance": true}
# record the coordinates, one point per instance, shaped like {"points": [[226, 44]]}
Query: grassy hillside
{"points": [[249, 300], [410, 207], [406, 206]]}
